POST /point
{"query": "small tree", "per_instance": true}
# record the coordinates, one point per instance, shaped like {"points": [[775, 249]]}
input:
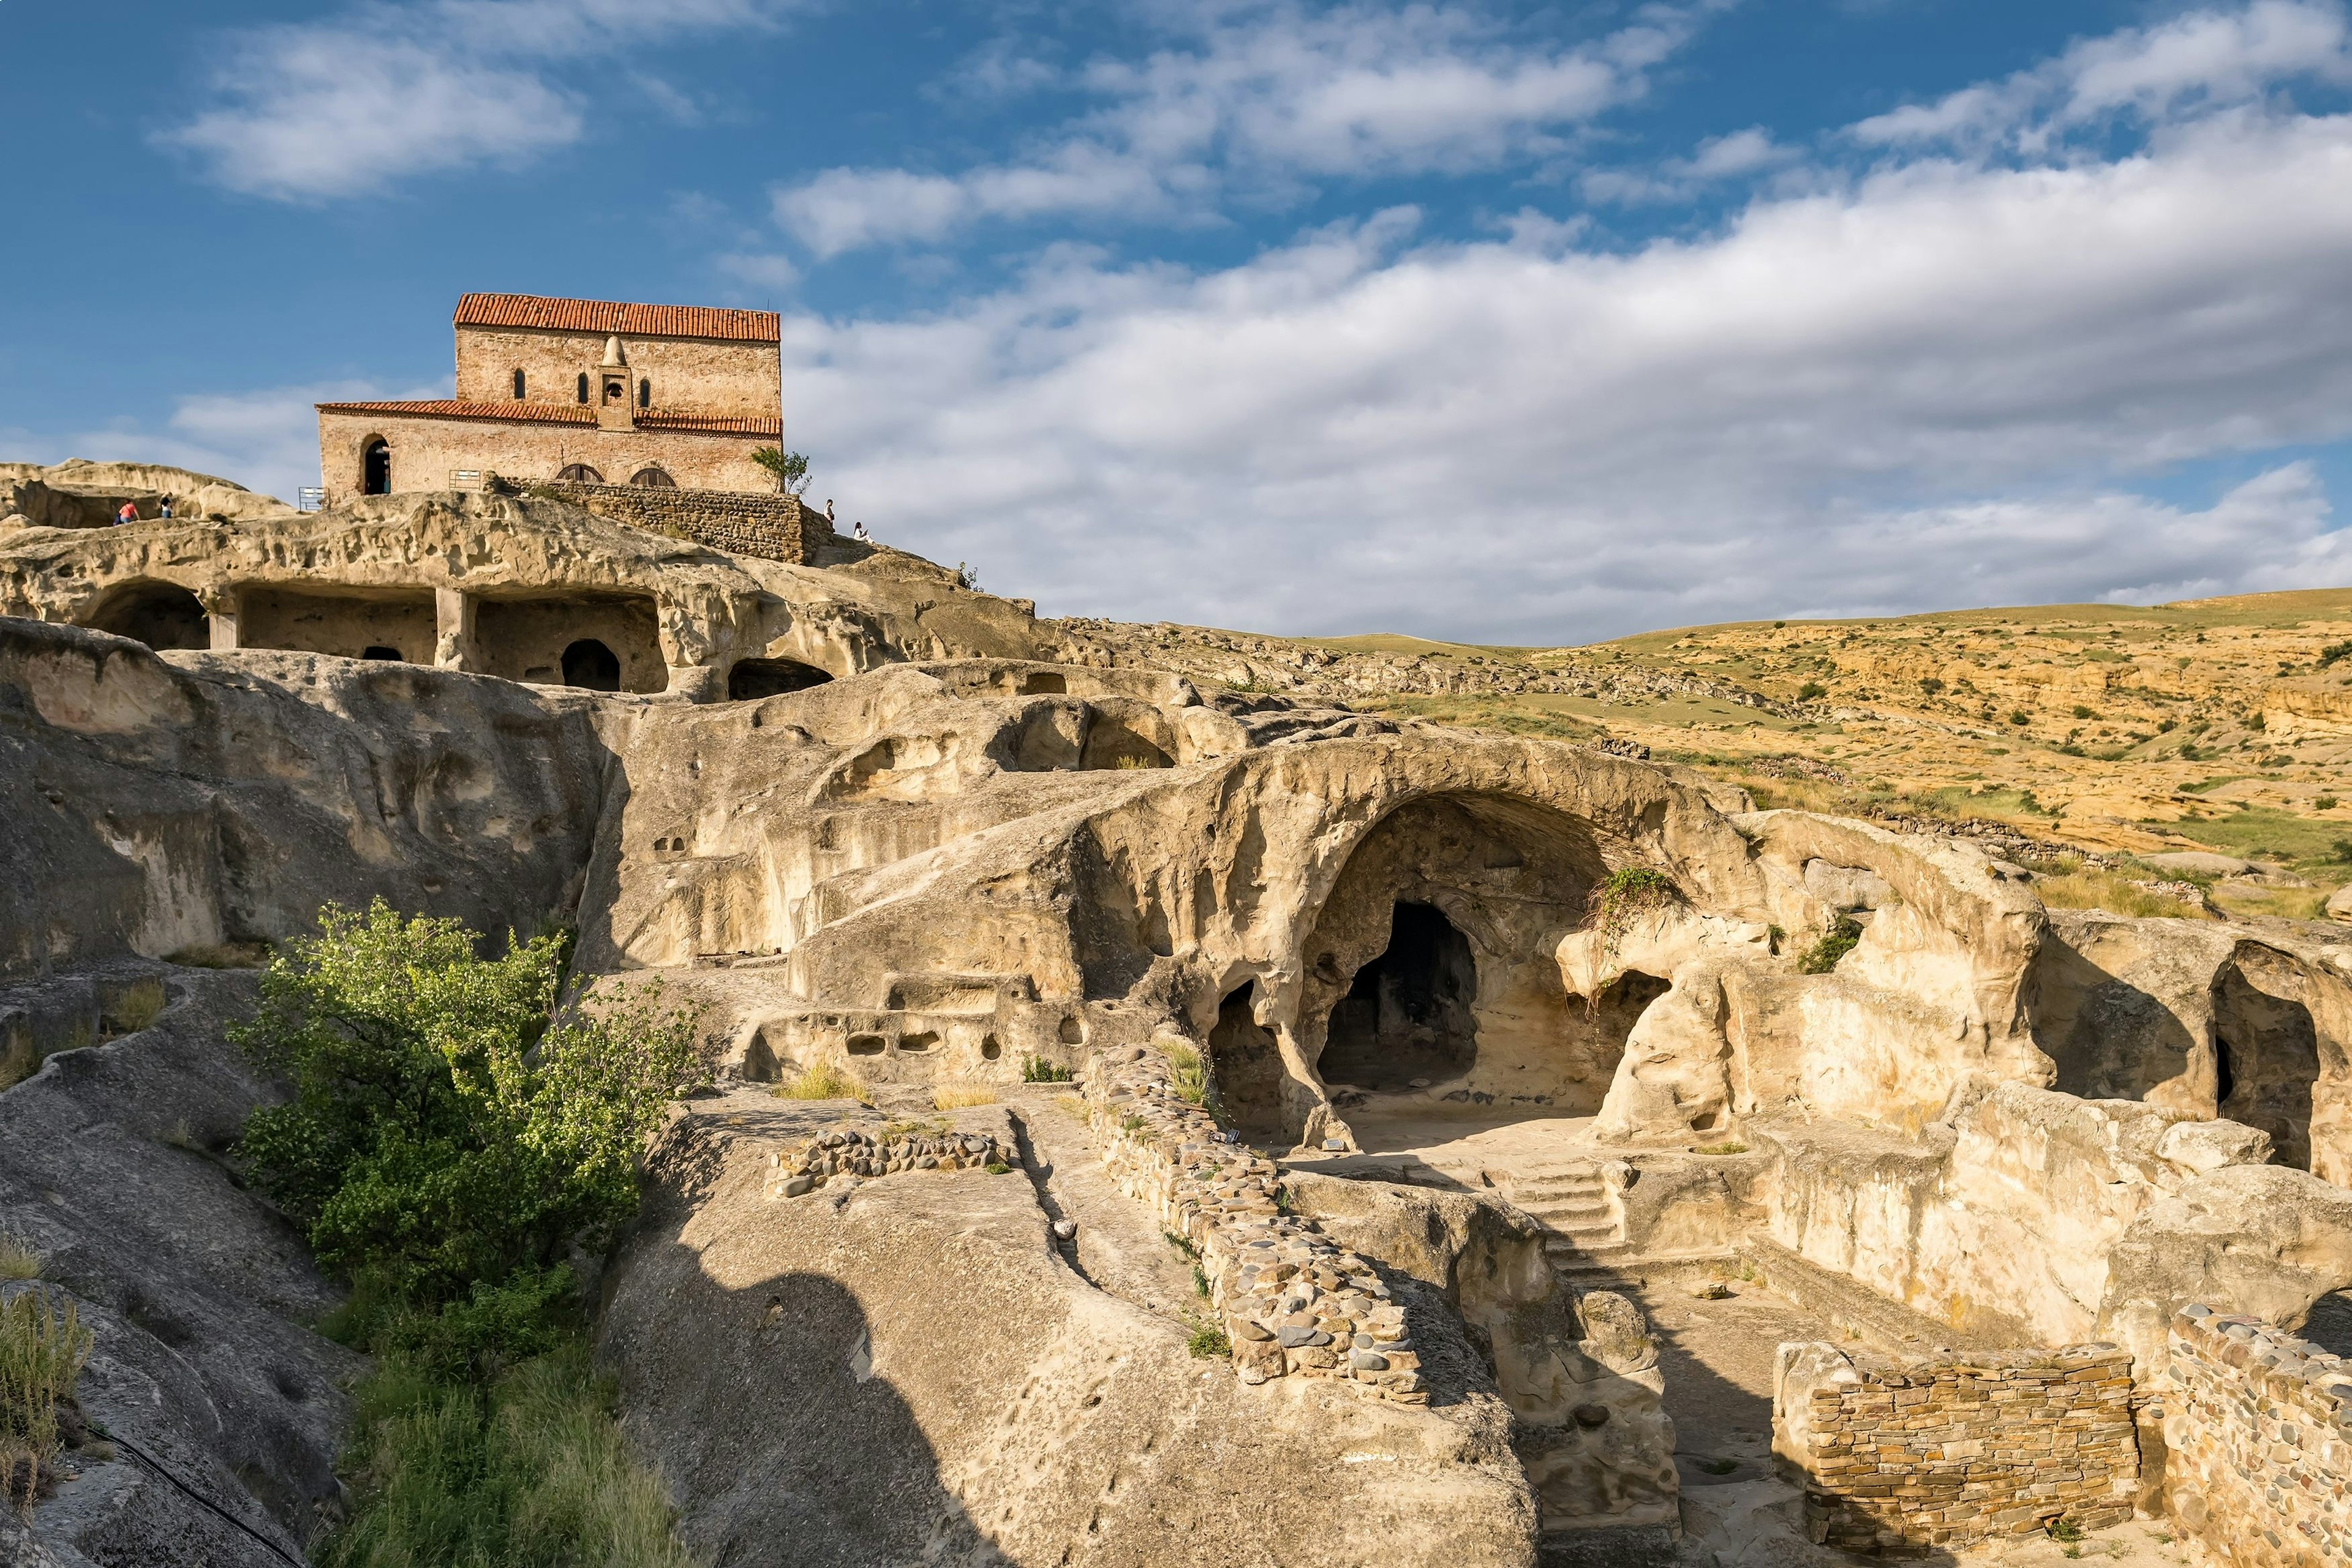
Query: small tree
{"points": [[448, 1128], [791, 469]]}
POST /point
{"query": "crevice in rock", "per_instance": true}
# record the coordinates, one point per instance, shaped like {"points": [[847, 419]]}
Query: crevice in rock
{"points": [[1040, 1173]]}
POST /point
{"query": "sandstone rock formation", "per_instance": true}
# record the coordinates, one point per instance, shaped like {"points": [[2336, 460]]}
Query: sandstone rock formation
{"points": [[1291, 954]]}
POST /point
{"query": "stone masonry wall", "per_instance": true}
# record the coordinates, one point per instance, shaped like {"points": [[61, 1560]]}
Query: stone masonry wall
{"points": [[777, 527], [2258, 1429], [1902, 1457], [1291, 1301]]}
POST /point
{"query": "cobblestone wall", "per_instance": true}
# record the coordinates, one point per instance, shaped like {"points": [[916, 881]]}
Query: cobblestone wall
{"points": [[2258, 1429], [777, 527], [1291, 1301], [1904, 1456]]}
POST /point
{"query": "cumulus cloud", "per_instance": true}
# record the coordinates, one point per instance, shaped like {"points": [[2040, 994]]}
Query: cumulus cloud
{"points": [[2198, 62], [1932, 386], [350, 102], [1257, 98], [1737, 156]]}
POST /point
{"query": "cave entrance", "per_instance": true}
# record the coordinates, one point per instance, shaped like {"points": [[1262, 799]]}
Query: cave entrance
{"points": [[753, 679], [1245, 1064], [160, 614], [590, 665], [1406, 1015], [2265, 1062], [1617, 1009]]}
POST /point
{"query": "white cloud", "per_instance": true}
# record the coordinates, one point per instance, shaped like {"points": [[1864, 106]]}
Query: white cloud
{"points": [[352, 102], [2198, 62], [1929, 387], [1735, 156], [760, 270], [1260, 97]]}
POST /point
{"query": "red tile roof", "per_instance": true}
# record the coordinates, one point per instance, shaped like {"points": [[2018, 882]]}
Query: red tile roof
{"points": [[610, 316], [562, 413]]}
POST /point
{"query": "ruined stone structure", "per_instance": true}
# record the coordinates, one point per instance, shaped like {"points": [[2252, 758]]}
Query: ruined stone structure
{"points": [[1459, 1066], [2259, 1428], [583, 390]]}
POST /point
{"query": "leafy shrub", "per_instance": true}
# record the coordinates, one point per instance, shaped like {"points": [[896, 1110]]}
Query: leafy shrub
{"points": [[825, 1081], [1209, 1343], [1037, 1069], [2020, 716], [1930, 684], [1836, 940], [791, 469], [42, 1352], [446, 1127], [2324, 803], [1811, 689]]}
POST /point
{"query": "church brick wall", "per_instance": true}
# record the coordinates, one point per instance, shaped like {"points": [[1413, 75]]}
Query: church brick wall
{"points": [[689, 375], [427, 451]]}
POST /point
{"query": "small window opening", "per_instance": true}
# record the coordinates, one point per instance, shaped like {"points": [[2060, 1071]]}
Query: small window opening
{"points": [[583, 386], [590, 665], [518, 386], [645, 392]]}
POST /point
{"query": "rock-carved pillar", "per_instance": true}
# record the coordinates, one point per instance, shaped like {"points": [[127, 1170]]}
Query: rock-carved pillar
{"points": [[453, 627]]}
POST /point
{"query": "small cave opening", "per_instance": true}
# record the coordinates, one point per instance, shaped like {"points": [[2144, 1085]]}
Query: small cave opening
{"points": [[1112, 744], [760, 1063], [1245, 1065], [753, 679], [592, 667], [160, 614], [378, 651], [1616, 1010], [1044, 683], [2265, 1063], [1407, 1014]]}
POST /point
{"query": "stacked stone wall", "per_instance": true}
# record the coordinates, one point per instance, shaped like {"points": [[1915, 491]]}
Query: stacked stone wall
{"points": [[2258, 1434], [776, 526], [1903, 1458], [1290, 1300]]}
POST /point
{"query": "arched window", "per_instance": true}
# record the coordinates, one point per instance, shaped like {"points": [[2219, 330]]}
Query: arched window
{"points": [[518, 386], [376, 467], [579, 474], [583, 386], [653, 478], [645, 391]]}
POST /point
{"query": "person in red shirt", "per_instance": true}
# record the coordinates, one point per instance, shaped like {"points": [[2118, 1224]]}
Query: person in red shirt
{"points": [[129, 513]]}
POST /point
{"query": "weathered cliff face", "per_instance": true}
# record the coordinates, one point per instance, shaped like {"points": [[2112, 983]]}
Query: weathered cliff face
{"points": [[159, 807]]}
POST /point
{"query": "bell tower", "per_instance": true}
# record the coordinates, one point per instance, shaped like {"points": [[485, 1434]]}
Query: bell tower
{"points": [[610, 381]]}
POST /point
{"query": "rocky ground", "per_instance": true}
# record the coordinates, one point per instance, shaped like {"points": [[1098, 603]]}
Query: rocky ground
{"points": [[2219, 727]]}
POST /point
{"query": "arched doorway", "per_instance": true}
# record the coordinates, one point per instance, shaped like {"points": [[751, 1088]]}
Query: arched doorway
{"points": [[160, 614], [1245, 1066], [1405, 1021], [376, 467], [653, 478], [590, 665], [579, 474]]}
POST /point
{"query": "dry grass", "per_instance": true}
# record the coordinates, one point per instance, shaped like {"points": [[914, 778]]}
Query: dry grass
{"points": [[826, 1082], [42, 1351], [19, 1259], [2075, 886], [1072, 1105], [2286, 903], [135, 1009], [1192, 1073], [956, 1096]]}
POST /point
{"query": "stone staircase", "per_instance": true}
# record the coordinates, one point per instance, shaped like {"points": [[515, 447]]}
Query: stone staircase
{"points": [[1569, 1202]]}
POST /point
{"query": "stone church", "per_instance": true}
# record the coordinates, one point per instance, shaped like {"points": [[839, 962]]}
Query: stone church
{"points": [[590, 391]]}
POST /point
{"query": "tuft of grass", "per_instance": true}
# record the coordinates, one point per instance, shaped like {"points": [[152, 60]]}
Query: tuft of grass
{"points": [[531, 1469], [1184, 1247], [956, 1096], [135, 1008], [1037, 1069], [1733, 1148], [2065, 1529], [1134, 763], [1073, 1105], [42, 1352], [1192, 1073], [19, 1259], [997, 1168], [1208, 1342], [825, 1081], [1838, 939], [2284, 903]]}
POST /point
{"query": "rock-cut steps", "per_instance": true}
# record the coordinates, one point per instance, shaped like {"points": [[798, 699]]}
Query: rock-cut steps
{"points": [[1570, 1203]]}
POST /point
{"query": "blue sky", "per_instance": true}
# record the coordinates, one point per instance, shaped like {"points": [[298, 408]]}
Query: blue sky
{"points": [[1507, 323]]}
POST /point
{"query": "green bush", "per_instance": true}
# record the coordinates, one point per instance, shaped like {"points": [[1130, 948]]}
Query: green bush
{"points": [[448, 1128], [1811, 689], [1833, 943], [42, 1352], [1037, 1069]]}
